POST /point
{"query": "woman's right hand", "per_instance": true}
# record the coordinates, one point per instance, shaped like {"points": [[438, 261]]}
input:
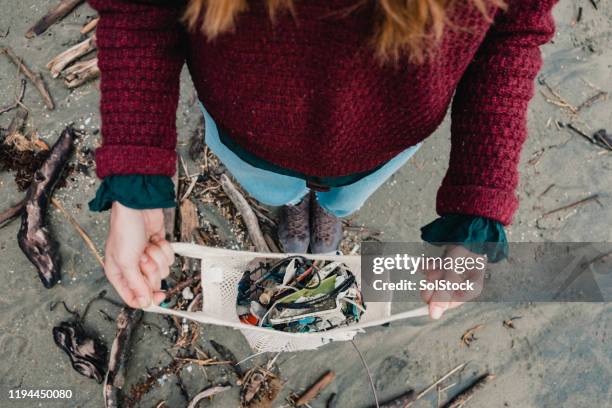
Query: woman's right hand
{"points": [[137, 255]]}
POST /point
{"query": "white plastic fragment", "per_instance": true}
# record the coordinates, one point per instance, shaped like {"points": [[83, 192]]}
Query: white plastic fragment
{"points": [[187, 293]]}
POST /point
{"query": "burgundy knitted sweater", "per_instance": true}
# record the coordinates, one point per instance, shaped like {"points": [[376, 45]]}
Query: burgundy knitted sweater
{"points": [[306, 92]]}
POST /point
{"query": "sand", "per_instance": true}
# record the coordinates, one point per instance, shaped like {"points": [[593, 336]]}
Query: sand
{"points": [[559, 355]]}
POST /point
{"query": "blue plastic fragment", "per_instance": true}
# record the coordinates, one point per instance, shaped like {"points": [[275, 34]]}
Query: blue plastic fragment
{"points": [[307, 320]]}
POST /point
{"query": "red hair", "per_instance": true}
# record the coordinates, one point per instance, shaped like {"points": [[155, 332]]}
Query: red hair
{"points": [[410, 27]]}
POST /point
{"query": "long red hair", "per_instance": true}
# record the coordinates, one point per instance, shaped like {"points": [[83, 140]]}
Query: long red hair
{"points": [[401, 27]]}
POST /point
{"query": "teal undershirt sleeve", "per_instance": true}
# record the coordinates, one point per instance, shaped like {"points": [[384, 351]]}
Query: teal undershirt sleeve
{"points": [[478, 234], [135, 191]]}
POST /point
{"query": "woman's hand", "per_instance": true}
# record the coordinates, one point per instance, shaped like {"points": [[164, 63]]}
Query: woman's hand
{"points": [[440, 301], [137, 255]]}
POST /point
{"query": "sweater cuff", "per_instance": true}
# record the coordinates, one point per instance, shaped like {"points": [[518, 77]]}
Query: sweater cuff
{"points": [[135, 191], [479, 235], [498, 205], [130, 159]]}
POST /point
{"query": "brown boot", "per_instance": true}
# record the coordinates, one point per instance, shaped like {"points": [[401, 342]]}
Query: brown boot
{"points": [[325, 230], [294, 227]]}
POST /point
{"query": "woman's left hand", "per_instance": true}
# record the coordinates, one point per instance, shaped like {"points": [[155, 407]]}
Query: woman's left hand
{"points": [[440, 301]]}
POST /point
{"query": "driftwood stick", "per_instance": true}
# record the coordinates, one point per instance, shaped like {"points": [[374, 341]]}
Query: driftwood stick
{"points": [[33, 237], [207, 393], [464, 396], [315, 389], [600, 95], [89, 27], [54, 14], [271, 244], [61, 61], [18, 99], [127, 320], [249, 217], [92, 247], [81, 72], [35, 78], [11, 213], [189, 220]]}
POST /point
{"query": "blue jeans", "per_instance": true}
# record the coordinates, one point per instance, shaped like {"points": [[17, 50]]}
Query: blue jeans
{"points": [[276, 189]]}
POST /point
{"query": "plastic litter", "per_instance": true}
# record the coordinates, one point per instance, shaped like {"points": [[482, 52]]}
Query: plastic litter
{"points": [[222, 273]]}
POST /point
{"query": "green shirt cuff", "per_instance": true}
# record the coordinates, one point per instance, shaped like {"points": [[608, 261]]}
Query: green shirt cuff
{"points": [[136, 191], [478, 234]]}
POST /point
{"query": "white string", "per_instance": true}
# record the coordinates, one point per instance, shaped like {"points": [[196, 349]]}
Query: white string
{"points": [[365, 365]]}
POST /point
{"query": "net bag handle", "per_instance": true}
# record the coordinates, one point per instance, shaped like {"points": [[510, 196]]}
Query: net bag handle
{"points": [[200, 252]]}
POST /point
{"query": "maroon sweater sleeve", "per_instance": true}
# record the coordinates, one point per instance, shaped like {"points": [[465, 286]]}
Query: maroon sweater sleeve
{"points": [[489, 110], [140, 54]]}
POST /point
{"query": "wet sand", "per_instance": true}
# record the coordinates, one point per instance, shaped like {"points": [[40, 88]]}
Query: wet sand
{"points": [[559, 355]]}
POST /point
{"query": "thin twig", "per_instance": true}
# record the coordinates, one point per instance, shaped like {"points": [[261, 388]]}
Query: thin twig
{"points": [[194, 180], [592, 140], [92, 247], [572, 205], [365, 365], [182, 285], [596, 259], [546, 190], [18, 99], [207, 362], [36, 79], [444, 377], [11, 213], [558, 99]]}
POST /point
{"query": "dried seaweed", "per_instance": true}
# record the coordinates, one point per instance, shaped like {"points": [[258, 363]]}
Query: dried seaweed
{"points": [[23, 162], [88, 355], [260, 388], [139, 390]]}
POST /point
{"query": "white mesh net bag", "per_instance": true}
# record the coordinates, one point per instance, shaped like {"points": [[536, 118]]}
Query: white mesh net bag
{"points": [[222, 270]]}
